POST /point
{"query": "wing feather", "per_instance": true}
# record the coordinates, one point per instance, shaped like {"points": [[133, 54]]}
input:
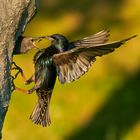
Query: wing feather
{"points": [[98, 38], [72, 64]]}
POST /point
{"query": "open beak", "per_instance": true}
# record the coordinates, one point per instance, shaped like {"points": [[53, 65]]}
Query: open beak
{"points": [[38, 39], [36, 46]]}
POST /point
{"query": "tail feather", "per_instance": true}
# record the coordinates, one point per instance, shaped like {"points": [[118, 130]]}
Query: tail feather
{"points": [[40, 114]]}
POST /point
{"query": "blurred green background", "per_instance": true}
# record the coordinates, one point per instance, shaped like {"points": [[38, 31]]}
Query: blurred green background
{"points": [[104, 103]]}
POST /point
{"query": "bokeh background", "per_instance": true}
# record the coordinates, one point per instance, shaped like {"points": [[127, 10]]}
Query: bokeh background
{"points": [[104, 104]]}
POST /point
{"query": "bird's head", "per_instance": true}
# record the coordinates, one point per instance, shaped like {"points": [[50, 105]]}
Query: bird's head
{"points": [[59, 41], [28, 43], [24, 44]]}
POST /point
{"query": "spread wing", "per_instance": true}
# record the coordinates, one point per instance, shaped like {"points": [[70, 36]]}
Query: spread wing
{"points": [[98, 38], [74, 63]]}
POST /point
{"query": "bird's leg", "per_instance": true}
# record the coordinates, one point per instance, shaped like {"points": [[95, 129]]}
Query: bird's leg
{"points": [[33, 89], [26, 91], [12, 83], [15, 68], [27, 82], [23, 90], [16, 88], [30, 80], [19, 71]]}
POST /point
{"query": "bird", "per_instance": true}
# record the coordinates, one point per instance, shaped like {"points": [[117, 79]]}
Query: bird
{"points": [[25, 44], [22, 45], [67, 60]]}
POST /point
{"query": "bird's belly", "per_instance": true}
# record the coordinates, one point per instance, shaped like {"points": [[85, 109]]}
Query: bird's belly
{"points": [[48, 78]]}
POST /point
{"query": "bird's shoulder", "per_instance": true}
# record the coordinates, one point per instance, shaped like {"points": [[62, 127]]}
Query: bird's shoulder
{"points": [[38, 54], [44, 54]]}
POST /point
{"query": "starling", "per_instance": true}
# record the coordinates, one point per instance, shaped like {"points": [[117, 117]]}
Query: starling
{"points": [[68, 61], [24, 44]]}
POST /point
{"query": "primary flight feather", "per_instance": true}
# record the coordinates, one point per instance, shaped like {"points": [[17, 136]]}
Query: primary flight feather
{"points": [[68, 61]]}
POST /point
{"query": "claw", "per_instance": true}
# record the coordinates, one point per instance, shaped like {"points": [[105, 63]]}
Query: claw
{"points": [[16, 68], [12, 84]]}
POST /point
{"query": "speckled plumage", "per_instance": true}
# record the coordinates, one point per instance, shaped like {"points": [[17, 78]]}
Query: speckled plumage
{"points": [[45, 77], [69, 61]]}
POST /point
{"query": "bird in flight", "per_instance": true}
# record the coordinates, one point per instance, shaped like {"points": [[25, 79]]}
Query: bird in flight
{"points": [[67, 60]]}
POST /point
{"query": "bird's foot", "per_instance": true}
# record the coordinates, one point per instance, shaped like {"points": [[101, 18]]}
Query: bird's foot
{"points": [[12, 83], [30, 91], [16, 68]]}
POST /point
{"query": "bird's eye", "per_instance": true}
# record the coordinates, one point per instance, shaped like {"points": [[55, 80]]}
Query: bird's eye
{"points": [[54, 38]]}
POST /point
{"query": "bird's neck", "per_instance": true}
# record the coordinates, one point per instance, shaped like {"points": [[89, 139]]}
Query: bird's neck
{"points": [[61, 47]]}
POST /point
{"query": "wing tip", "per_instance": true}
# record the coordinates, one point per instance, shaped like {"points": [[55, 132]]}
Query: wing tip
{"points": [[124, 40]]}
